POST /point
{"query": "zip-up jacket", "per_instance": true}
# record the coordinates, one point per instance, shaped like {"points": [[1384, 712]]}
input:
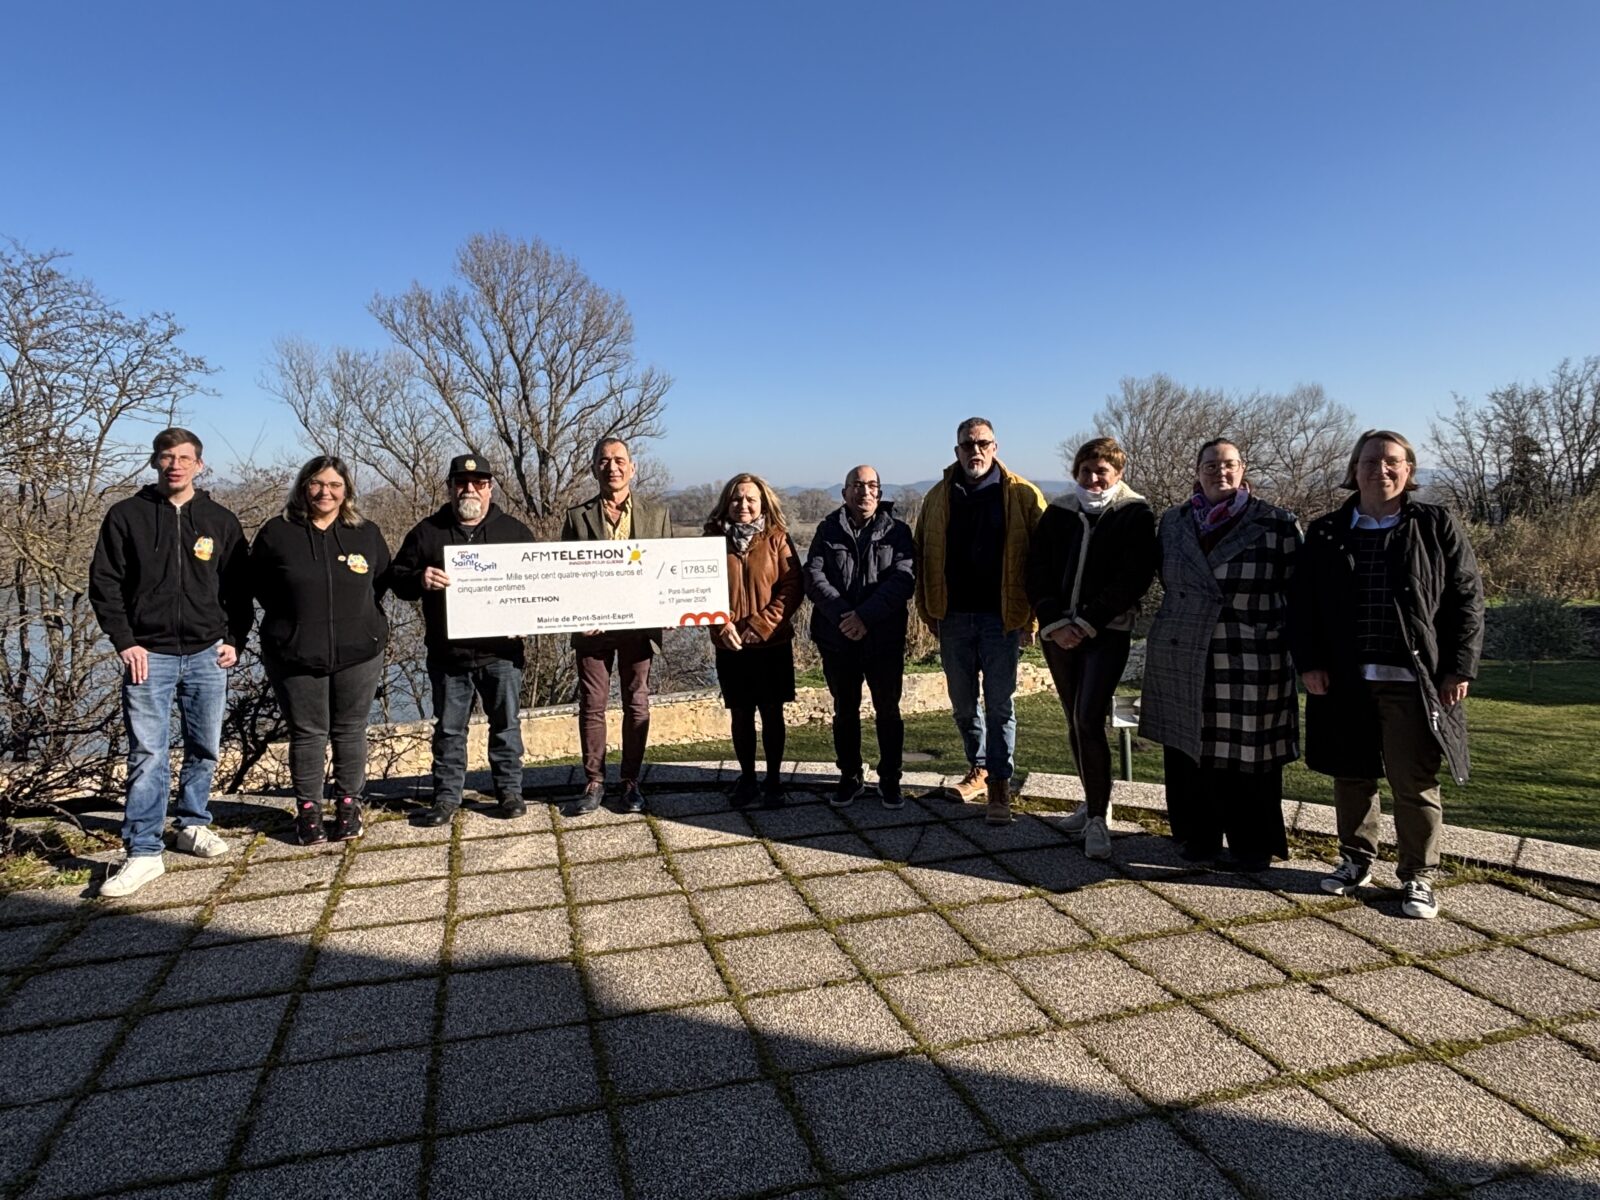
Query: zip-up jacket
{"points": [[1021, 504], [1437, 593], [171, 578], [319, 591], [1092, 571], [425, 547], [870, 573]]}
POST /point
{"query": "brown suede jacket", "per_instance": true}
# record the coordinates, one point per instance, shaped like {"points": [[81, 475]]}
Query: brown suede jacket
{"points": [[764, 588]]}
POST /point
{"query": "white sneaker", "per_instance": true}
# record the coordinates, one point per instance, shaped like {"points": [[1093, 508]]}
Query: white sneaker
{"points": [[1077, 819], [199, 841], [132, 874], [1096, 839], [1419, 900]]}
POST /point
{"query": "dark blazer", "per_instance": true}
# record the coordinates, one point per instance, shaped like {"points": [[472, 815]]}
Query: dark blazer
{"points": [[872, 575], [1433, 576], [586, 522]]}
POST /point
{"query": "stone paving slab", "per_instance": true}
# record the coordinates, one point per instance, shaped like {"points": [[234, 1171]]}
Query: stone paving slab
{"points": [[793, 1004]]}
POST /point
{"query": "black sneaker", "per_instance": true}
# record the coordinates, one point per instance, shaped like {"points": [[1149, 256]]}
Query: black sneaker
{"points": [[745, 791], [439, 814], [308, 829], [850, 786], [510, 803], [346, 819], [889, 793], [632, 798]]}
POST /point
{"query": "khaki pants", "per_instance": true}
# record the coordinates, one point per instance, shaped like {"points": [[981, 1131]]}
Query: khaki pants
{"points": [[1411, 761]]}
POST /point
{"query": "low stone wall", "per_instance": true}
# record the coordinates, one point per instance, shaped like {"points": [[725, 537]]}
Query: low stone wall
{"points": [[676, 719]]}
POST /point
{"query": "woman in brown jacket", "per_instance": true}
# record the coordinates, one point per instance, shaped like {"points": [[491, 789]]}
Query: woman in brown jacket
{"points": [[755, 650]]}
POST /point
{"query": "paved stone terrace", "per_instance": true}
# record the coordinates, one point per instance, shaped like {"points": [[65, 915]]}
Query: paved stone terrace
{"points": [[701, 1003]]}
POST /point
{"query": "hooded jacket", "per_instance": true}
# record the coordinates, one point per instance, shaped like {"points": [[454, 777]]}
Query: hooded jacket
{"points": [[1021, 503], [871, 573], [1092, 570], [1438, 593], [424, 547], [171, 578], [319, 591]]}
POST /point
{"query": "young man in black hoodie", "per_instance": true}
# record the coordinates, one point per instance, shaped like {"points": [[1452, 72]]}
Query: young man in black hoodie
{"points": [[490, 667], [169, 584]]}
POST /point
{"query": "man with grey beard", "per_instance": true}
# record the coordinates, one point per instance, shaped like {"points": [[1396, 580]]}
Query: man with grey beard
{"points": [[490, 668]]}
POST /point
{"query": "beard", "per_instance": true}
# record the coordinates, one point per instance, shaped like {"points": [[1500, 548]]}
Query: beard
{"points": [[469, 508]]}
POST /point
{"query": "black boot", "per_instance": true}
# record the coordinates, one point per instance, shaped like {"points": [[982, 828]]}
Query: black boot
{"points": [[346, 819]]}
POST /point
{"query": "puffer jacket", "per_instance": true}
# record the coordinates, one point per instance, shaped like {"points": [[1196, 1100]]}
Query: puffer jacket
{"points": [[1433, 576], [871, 574], [764, 586], [1021, 505], [319, 591], [1092, 570]]}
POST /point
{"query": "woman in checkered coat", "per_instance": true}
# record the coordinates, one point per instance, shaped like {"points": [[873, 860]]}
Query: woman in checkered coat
{"points": [[1219, 685]]}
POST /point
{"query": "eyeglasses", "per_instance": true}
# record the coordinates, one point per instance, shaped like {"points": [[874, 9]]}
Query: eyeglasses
{"points": [[1221, 465], [869, 485], [477, 485], [975, 445]]}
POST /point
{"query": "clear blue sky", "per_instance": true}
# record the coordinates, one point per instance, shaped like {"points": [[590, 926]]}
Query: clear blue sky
{"points": [[844, 226]]}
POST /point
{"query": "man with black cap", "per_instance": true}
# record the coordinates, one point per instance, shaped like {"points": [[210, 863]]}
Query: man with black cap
{"points": [[491, 667]]}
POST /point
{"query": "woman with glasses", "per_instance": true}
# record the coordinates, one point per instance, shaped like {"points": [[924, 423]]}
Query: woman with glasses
{"points": [[1219, 686], [1090, 562], [319, 571], [755, 649]]}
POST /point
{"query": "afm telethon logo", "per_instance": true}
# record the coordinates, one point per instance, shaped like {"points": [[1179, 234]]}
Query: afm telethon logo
{"points": [[635, 554]]}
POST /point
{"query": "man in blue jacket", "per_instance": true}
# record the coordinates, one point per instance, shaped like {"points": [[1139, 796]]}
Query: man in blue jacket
{"points": [[860, 577], [170, 586]]}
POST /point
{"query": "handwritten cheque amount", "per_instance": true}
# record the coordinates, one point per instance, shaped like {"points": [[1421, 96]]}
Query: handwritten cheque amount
{"points": [[571, 587]]}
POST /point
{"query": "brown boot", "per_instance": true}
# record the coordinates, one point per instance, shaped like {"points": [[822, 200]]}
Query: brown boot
{"points": [[998, 810], [971, 788]]}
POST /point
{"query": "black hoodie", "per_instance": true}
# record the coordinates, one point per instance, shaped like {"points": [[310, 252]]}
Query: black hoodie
{"points": [[319, 591], [171, 578], [424, 547]]}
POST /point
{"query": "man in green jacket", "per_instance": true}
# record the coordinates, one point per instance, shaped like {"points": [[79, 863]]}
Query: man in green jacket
{"points": [[615, 514], [972, 557]]}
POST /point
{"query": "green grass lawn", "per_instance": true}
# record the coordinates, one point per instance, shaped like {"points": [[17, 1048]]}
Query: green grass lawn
{"points": [[1535, 751]]}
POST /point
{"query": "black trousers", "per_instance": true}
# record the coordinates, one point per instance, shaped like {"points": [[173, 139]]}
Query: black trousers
{"points": [[1086, 678], [883, 675], [1206, 804]]}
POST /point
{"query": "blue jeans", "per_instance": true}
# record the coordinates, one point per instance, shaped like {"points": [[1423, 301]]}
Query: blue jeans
{"points": [[499, 685], [200, 688], [970, 645]]}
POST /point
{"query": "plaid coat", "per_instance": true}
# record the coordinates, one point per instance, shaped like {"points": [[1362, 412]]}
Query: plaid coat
{"points": [[1219, 685]]}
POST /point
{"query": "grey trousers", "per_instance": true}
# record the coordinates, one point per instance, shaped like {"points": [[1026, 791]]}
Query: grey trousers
{"points": [[1411, 760]]}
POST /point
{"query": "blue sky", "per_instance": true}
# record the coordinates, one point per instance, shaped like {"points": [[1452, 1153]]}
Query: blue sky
{"points": [[844, 226]]}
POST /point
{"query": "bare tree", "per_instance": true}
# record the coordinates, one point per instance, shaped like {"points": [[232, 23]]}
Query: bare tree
{"points": [[84, 384], [1296, 443], [524, 359], [531, 361], [1526, 448]]}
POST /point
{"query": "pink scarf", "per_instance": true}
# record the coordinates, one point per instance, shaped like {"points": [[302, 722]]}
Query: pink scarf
{"points": [[1210, 516]]}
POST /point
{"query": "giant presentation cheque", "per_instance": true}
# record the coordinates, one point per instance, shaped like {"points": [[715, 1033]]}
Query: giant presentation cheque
{"points": [[573, 587]]}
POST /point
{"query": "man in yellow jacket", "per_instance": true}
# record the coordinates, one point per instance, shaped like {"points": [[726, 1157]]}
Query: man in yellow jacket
{"points": [[972, 555]]}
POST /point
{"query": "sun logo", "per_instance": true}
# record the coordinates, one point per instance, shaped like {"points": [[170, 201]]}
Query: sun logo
{"points": [[635, 554]]}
